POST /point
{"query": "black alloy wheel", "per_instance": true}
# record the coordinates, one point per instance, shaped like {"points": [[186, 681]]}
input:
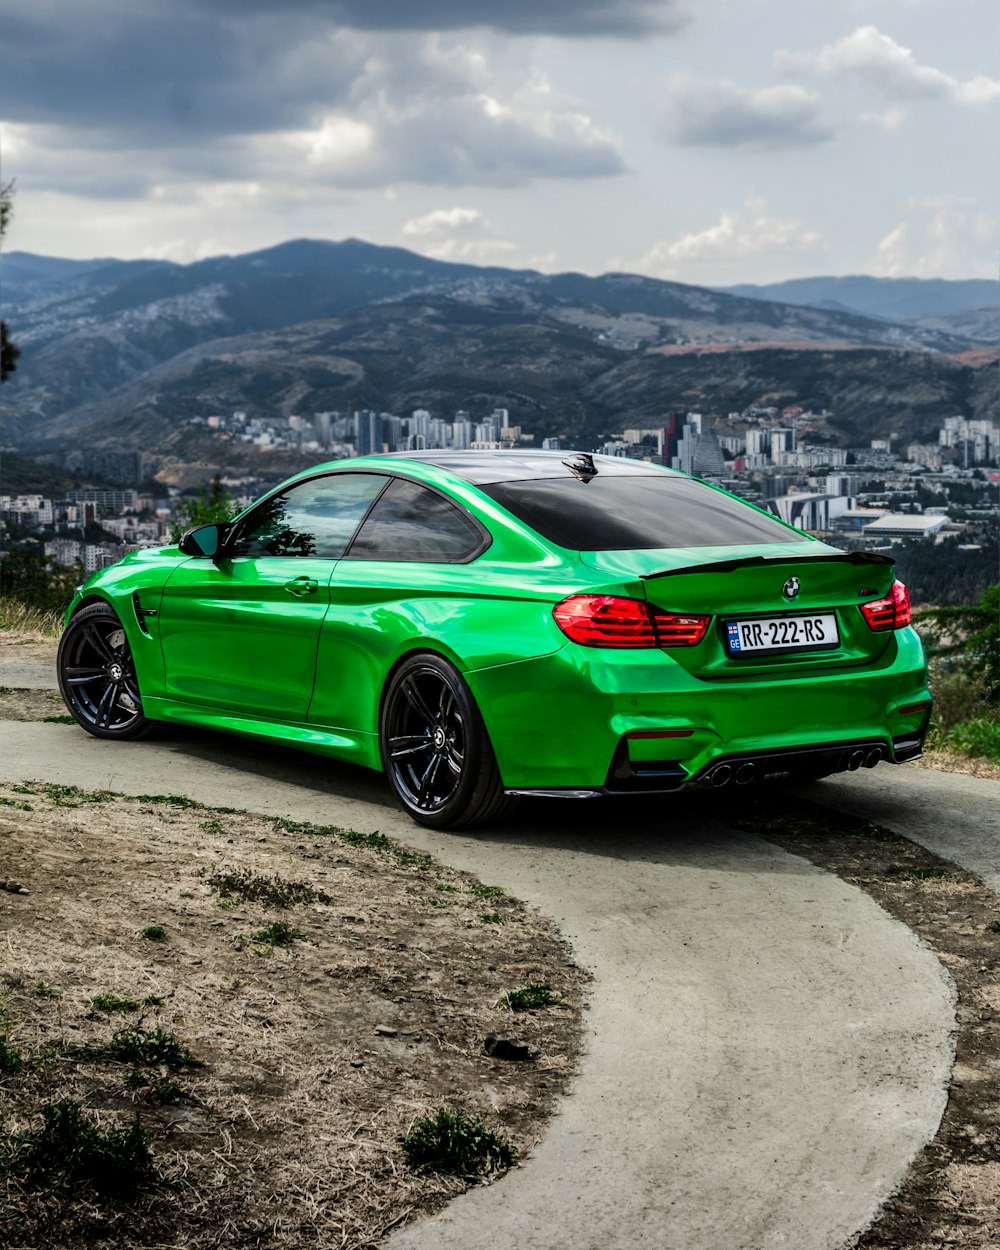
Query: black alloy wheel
{"points": [[97, 675], [435, 749]]}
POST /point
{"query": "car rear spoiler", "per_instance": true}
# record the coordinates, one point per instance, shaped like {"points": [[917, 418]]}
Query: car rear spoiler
{"points": [[728, 566]]}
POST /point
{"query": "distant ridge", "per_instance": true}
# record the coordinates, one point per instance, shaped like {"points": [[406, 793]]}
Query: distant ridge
{"points": [[126, 352], [897, 299]]}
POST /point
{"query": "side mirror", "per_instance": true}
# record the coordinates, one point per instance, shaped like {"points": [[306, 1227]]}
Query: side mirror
{"points": [[205, 540]]}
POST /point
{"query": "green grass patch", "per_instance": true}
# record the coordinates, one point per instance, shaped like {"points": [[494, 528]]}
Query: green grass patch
{"points": [[492, 917], [46, 991], [168, 800], [374, 841], [454, 1143], [278, 934], [71, 1147], [273, 891], [282, 825], [485, 891], [72, 796], [112, 1003], [153, 1087], [154, 932], [977, 738], [151, 1048], [18, 804], [11, 1060], [528, 997], [65, 719]]}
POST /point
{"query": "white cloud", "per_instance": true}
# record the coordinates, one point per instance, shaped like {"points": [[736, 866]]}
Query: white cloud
{"points": [[891, 253], [886, 67], [720, 252], [439, 112], [460, 234], [338, 140], [697, 113], [448, 220], [891, 120], [945, 237]]}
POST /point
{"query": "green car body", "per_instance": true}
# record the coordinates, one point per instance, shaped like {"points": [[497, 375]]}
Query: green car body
{"points": [[302, 648]]}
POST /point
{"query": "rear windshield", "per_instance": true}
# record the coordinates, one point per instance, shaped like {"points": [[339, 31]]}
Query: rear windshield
{"points": [[636, 513]]}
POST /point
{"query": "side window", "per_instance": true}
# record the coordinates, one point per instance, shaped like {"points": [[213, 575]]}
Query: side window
{"points": [[315, 518], [410, 522]]}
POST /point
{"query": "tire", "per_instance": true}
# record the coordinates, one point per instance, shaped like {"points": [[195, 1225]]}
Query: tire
{"points": [[435, 748], [97, 675]]}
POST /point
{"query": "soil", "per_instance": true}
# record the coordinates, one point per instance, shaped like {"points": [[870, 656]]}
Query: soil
{"points": [[20, 704], [314, 1058]]}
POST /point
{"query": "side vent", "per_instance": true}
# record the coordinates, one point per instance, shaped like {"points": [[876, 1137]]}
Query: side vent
{"points": [[141, 614]]}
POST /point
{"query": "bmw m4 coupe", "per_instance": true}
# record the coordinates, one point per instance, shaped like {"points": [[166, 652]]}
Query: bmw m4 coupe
{"points": [[480, 625]]}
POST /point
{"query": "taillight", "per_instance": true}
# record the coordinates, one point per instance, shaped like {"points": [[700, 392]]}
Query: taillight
{"points": [[614, 621], [892, 612]]}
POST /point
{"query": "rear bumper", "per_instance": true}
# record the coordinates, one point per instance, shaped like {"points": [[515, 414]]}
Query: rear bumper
{"points": [[562, 722]]}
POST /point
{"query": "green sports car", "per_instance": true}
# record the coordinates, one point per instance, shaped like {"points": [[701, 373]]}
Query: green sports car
{"points": [[481, 625]]}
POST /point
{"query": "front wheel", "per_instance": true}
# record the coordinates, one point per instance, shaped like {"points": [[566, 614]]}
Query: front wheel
{"points": [[97, 675], [435, 749]]}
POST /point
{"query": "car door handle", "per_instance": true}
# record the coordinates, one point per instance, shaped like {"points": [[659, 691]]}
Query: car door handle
{"points": [[302, 586]]}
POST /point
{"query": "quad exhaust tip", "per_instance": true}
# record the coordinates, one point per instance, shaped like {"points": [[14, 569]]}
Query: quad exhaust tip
{"points": [[746, 772]]}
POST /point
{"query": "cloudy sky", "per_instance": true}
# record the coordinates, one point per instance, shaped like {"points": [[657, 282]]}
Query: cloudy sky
{"points": [[708, 141]]}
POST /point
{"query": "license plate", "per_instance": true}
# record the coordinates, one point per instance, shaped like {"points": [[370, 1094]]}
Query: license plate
{"points": [[782, 633]]}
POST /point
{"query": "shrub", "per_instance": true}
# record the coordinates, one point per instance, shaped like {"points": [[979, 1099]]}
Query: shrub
{"points": [[977, 737], [453, 1143], [527, 997], [212, 505], [72, 1147]]}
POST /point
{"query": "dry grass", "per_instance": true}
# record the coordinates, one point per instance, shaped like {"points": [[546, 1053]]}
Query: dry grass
{"points": [[317, 1056], [23, 623], [952, 762]]}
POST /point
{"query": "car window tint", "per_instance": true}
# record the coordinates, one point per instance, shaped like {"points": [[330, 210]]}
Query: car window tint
{"points": [[637, 513], [410, 522], [315, 518]]}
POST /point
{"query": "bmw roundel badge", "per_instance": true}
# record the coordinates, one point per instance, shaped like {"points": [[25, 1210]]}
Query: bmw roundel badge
{"points": [[790, 588]]}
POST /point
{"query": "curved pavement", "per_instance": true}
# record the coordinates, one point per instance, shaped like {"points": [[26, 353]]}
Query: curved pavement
{"points": [[767, 1049]]}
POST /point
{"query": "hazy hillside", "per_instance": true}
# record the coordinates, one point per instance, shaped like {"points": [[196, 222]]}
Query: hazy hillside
{"points": [[443, 355], [897, 299], [124, 352]]}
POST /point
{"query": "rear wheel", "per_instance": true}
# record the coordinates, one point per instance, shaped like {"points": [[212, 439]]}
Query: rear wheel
{"points": [[435, 748], [97, 675]]}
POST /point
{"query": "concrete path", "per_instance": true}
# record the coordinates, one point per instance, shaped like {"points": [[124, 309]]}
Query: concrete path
{"points": [[767, 1049], [953, 815]]}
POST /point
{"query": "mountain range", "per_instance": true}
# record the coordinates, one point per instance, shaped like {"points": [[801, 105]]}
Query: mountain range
{"points": [[123, 352]]}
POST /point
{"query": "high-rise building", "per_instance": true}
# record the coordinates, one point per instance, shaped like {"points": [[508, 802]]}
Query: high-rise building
{"points": [[368, 432]]}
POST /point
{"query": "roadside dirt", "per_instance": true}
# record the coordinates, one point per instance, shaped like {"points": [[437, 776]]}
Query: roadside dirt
{"points": [[20, 704], [315, 1057]]}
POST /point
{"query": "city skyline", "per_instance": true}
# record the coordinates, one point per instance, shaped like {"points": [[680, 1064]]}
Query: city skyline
{"points": [[712, 143]]}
